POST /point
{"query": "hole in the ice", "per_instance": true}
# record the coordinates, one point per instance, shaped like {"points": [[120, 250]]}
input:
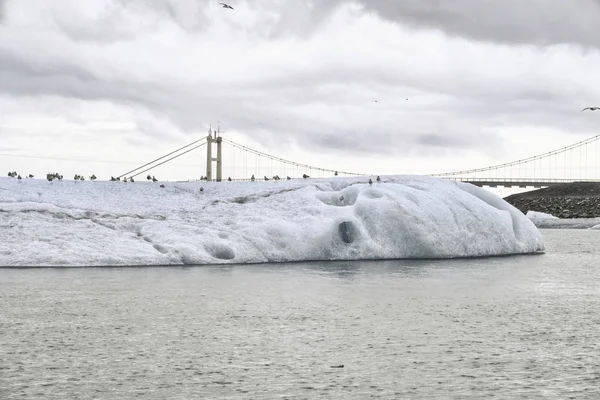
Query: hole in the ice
{"points": [[160, 248], [347, 231], [220, 251]]}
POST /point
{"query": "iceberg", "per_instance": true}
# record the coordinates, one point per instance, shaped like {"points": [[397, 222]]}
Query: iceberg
{"points": [[549, 221], [85, 223], [539, 216]]}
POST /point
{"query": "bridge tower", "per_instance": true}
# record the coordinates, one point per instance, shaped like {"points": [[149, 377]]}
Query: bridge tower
{"points": [[210, 139]]}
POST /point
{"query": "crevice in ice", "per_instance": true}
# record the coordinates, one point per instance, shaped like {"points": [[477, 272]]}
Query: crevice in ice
{"points": [[345, 198], [498, 203], [78, 215], [455, 216], [253, 198], [342, 184], [158, 247], [416, 187], [373, 194], [412, 198]]}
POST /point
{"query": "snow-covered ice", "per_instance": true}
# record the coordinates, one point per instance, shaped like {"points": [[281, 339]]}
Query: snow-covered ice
{"points": [[84, 223], [540, 217], [549, 221]]}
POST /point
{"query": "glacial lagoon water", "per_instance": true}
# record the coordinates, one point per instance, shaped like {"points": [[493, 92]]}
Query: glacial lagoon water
{"points": [[524, 327]]}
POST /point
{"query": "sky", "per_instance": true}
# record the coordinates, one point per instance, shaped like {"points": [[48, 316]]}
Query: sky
{"points": [[370, 86]]}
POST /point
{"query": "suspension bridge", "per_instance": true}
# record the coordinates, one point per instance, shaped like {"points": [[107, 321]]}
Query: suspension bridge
{"points": [[231, 161]]}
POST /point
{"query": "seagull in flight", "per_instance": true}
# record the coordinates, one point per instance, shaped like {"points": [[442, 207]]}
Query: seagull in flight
{"points": [[591, 108], [226, 5]]}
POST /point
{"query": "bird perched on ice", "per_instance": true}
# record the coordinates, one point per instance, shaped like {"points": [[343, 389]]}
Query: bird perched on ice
{"points": [[226, 5], [591, 108]]}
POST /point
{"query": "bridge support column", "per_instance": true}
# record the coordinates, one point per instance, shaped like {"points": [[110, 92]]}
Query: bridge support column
{"points": [[209, 142], [219, 159], [210, 139]]}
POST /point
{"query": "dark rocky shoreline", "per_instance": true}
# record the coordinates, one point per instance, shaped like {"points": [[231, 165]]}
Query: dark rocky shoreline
{"points": [[569, 200]]}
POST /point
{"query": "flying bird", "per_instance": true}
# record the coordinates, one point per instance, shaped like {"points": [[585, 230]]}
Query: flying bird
{"points": [[591, 108], [226, 5]]}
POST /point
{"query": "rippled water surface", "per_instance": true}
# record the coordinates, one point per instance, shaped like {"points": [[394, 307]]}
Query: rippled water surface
{"points": [[510, 327]]}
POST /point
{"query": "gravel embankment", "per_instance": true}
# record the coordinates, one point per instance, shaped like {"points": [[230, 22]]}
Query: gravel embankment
{"points": [[569, 200]]}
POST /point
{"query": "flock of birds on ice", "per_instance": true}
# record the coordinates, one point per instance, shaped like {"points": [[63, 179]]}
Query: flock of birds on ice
{"points": [[59, 177]]}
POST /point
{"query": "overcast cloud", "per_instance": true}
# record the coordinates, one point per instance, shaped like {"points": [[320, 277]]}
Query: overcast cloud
{"points": [[536, 22], [457, 83]]}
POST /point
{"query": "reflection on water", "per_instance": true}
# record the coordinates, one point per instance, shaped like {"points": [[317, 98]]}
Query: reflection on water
{"points": [[507, 327]]}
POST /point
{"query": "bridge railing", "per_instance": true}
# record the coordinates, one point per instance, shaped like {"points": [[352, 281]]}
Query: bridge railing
{"points": [[518, 180]]}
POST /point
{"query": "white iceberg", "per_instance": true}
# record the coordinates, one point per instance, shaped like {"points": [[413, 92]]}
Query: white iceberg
{"points": [[83, 223], [549, 221], [540, 216]]}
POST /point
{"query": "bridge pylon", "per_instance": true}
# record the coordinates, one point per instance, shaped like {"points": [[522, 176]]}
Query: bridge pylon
{"points": [[210, 139]]}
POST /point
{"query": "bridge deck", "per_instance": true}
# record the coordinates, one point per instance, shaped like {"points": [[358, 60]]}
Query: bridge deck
{"points": [[518, 182]]}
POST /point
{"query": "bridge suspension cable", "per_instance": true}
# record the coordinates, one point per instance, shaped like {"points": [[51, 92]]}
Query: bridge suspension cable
{"points": [[523, 161], [284, 161], [172, 158], [166, 155]]}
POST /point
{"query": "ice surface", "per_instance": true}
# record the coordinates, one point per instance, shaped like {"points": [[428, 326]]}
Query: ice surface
{"points": [[84, 223], [549, 221], [536, 215]]}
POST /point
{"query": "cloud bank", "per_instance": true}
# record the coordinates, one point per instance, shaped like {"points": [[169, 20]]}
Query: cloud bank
{"points": [[433, 84]]}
